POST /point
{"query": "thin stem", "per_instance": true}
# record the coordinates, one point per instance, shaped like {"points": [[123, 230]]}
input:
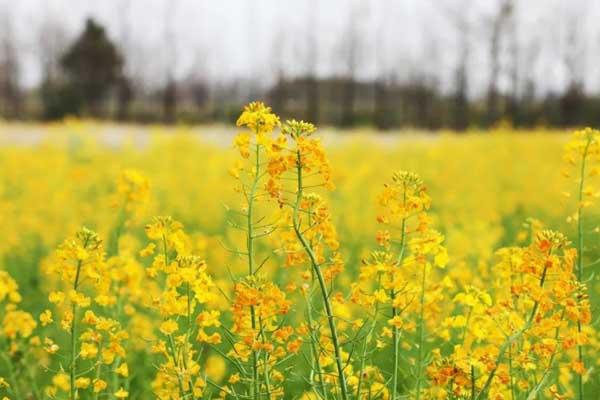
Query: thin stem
{"points": [[73, 365], [314, 350], [34, 384], [250, 216], [170, 337], [580, 215], [364, 353], [421, 333], [14, 385], [113, 245], [265, 361], [187, 337], [472, 382], [320, 278], [98, 370], [580, 255], [171, 344], [396, 335], [251, 271], [510, 369]]}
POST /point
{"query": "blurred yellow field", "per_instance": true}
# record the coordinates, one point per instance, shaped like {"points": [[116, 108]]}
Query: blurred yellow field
{"points": [[299, 200], [406, 266]]}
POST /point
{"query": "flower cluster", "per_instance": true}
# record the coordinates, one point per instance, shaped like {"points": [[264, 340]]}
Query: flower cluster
{"points": [[182, 304], [17, 341], [84, 308], [133, 192], [399, 280], [513, 340], [258, 311]]}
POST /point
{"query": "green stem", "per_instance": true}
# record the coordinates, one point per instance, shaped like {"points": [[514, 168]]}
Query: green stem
{"points": [[364, 353], [580, 215], [510, 370], [73, 365], [321, 280], [14, 385], [421, 333], [396, 335], [171, 343], [250, 252], [316, 363], [98, 369], [265, 361], [113, 245], [192, 381], [472, 382], [189, 308], [315, 353], [34, 384], [580, 255]]}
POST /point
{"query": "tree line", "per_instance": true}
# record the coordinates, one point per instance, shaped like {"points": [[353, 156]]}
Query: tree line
{"points": [[87, 77]]}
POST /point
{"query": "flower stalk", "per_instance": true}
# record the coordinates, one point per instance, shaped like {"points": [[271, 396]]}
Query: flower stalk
{"points": [[321, 280]]}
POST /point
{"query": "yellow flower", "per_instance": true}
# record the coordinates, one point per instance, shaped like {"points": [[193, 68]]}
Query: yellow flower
{"points": [[99, 385], [123, 370], [460, 321], [381, 296], [441, 258], [209, 318], [8, 288], [148, 250], [56, 297], [46, 317], [215, 338], [121, 394], [89, 318], [18, 323], [50, 347], [61, 381], [259, 118], [88, 350], [82, 383], [169, 327], [233, 379], [396, 322], [215, 367], [242, 143]]}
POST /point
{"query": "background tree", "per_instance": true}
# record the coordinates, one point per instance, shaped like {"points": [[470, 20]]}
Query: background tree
{"points": [[169, 94], [458, 19], [279, 95], [571, 102], [51, 42], [382, 115], [124, 85], [311, 63], [422, 64], [512, 107], [10, 91], [350, 55], [498, 27], [92, 65]]}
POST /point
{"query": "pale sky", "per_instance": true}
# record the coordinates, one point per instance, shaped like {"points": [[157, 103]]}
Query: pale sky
{"points": [[231, 39]]}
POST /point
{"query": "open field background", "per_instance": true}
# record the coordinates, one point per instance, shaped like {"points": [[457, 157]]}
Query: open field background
{"points": [[489, 191]]}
